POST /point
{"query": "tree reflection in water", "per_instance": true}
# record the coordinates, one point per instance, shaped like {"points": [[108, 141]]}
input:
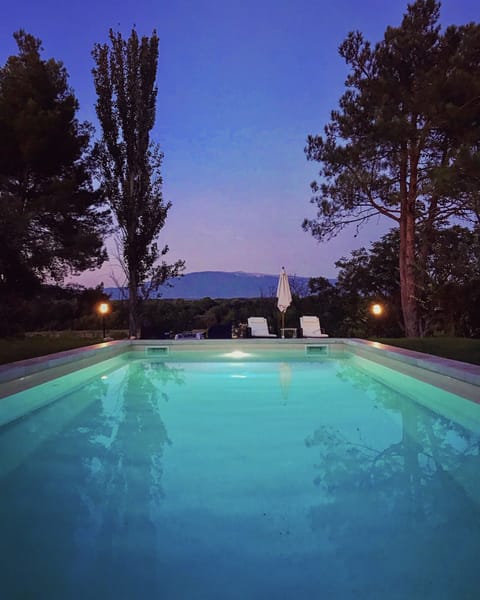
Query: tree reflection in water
{"points": [[407, 505], [86, 505], [126, 469]]}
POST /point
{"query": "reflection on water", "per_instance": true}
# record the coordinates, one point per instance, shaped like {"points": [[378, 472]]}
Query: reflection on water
{"points": [[249, 480], [103, 471], [285, 373], [124, 478], [415, 480]]}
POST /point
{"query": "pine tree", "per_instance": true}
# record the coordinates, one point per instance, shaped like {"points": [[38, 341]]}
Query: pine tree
{"points": [[51, 221], [407, 124]]}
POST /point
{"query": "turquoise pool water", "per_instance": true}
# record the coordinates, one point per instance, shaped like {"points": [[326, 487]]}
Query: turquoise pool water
{"points": [[240, 480]]}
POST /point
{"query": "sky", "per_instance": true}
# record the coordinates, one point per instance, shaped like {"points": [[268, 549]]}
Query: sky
{"points": [[241, 83]]}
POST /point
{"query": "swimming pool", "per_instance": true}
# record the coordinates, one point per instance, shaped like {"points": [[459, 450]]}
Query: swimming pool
{"points": [[274, 475]]}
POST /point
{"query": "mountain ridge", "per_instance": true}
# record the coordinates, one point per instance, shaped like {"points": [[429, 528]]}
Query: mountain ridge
{"points": [[220, 284]]}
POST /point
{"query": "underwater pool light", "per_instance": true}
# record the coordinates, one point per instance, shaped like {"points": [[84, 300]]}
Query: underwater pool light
{"points": [[237, 354]]}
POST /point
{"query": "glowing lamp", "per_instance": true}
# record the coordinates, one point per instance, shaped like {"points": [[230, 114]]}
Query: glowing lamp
{"points": [[103, 309], [377, 311]]}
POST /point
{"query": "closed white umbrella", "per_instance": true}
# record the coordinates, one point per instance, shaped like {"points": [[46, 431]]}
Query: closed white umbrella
{"points": [[284, 295]]}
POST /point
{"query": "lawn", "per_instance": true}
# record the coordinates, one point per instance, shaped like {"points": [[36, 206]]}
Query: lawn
{"points": [[12, 349], [464, 349]]}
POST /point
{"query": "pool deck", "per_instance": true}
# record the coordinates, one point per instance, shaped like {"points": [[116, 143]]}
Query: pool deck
{"points": [[457, 377]]}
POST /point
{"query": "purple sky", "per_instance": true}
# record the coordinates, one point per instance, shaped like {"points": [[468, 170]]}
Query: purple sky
{"points": [[241, 85]]}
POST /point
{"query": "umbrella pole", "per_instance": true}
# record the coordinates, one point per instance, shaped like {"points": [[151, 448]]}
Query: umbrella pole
{"points": [[283, 324]]}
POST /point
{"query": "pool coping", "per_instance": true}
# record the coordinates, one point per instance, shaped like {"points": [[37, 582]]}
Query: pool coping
{"points": [[23, 374], [456, 369]]}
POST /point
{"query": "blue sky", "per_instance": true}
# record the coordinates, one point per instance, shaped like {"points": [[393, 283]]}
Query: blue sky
{"points": [[241, 85]]}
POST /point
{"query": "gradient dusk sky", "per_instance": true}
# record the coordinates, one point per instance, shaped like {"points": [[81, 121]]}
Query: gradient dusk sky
{"points": [[240, 86]]}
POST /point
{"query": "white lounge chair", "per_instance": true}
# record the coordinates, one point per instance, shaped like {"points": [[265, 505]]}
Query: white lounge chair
{"points": [[259, 327], [311, 327]]}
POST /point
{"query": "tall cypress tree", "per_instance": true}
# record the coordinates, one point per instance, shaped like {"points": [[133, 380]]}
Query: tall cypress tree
{"points": [[51, 220], [130, 162]]}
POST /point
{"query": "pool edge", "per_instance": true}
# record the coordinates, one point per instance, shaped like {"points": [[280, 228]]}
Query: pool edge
{"points": [[455, 376]]}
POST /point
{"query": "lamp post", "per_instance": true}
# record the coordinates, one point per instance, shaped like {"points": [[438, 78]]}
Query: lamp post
{"points": [[103, 309], [377, 311]]}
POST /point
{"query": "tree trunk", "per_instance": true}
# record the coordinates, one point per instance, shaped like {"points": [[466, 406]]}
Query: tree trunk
{"points": [[407, 270], [408, 198], [133, 308]]}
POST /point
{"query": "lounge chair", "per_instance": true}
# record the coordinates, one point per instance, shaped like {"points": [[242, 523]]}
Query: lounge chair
{"points": [[259, 327], [310, 327]]}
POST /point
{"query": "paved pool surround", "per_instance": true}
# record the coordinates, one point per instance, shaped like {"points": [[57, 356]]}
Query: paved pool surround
{"points": [[460, 378]]}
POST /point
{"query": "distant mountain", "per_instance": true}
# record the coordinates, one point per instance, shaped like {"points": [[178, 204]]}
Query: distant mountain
{"points": [[221, 284]]}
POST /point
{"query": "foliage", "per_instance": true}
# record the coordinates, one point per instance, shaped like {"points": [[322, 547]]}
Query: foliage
{"points": [[451, 295], [371, 276], [130, 162], [448, 299], [53, 308], [404, 141], [50, 217]]}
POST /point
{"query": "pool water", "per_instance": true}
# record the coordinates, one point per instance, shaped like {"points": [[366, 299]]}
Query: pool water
{"points": [[239, 480]]}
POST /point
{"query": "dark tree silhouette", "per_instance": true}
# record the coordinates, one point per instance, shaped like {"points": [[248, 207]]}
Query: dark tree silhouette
{"points": [[130, 162], [404, 141], [51, 221]]}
